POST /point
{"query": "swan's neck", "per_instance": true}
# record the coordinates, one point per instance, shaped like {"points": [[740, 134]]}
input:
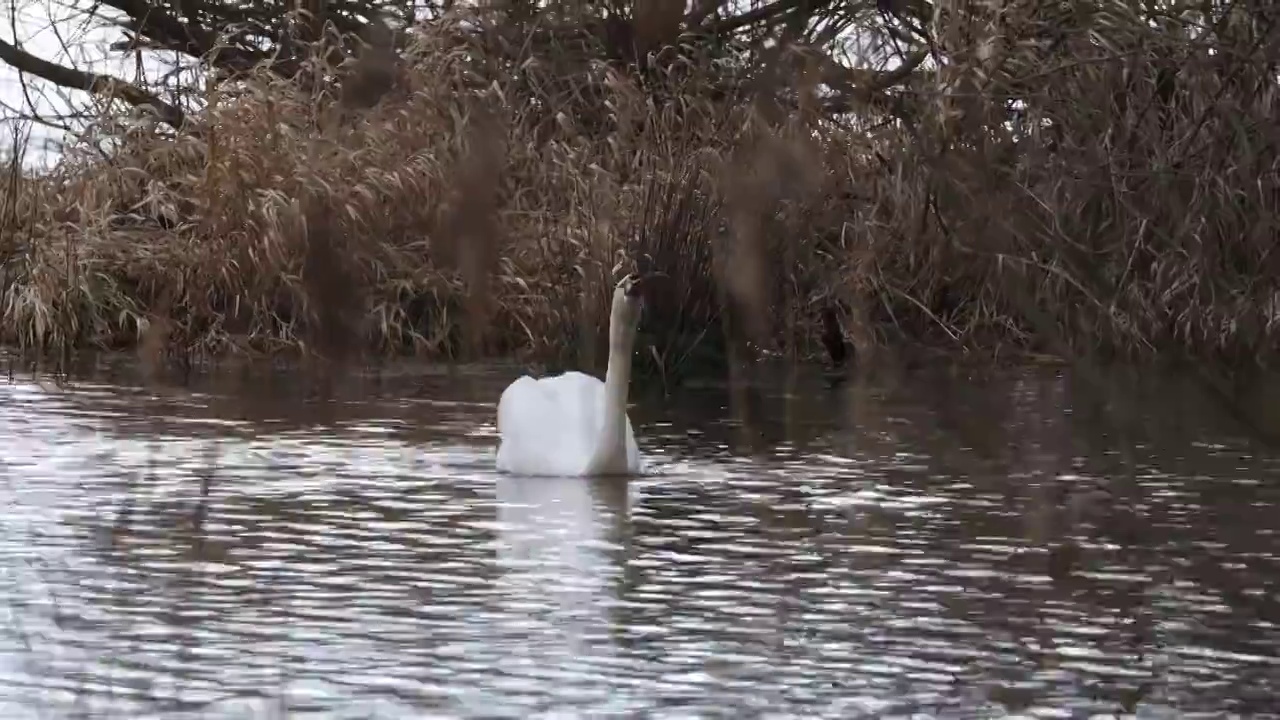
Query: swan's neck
{"points": [[610, 456]]}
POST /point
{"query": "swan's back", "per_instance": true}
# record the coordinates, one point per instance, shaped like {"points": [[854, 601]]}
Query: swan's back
{"points": [[550, 426]]}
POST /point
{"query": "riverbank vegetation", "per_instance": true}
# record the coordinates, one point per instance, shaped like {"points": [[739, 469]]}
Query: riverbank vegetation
{"points": [[1049, 176]]}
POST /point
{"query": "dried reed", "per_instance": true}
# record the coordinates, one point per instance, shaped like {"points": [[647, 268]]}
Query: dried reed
{"points": [[1095, 179]]}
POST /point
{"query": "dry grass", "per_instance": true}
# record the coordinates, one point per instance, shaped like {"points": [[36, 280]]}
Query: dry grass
{"points": [[482, 205]]}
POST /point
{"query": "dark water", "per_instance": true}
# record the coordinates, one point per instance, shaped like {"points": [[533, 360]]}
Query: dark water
{"points": [[927, 545]]}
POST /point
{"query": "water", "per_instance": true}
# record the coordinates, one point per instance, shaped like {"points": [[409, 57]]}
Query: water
{"points": [[931, 544]]}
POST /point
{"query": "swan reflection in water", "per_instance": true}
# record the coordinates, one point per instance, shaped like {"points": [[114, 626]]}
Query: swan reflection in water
{"points": [[559, 543]]}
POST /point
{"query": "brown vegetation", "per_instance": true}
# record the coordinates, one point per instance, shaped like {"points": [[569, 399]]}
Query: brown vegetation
{"points": [[1039, 174]]}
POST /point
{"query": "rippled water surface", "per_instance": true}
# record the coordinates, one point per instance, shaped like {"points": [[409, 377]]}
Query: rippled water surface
{"points": [[932, 544]]}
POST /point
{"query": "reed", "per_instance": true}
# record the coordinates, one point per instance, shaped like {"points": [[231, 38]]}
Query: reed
{"points": [[1087, 181]]}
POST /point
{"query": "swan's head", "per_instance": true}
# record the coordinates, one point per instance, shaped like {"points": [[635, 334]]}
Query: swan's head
{"points": [[628, 302]]}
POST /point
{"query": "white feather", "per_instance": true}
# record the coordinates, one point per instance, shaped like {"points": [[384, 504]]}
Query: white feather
{"points": [[550, 426]]}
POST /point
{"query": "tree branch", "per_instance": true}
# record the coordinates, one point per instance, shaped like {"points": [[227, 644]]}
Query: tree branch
{"points": [[860, 85], [91, 82], [764, 15], [161, 28]]}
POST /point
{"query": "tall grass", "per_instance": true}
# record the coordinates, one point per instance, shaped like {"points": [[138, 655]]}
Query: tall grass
{"points": [[1083, 175]]}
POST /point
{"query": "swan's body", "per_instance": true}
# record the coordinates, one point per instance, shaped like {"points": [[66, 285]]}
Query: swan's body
{"points": [[574, 424], [553, 426]]}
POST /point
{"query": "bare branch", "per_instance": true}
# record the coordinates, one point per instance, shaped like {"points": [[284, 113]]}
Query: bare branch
{"points": [[162, 29], [853, 85], [91, 82], [766, 14]]}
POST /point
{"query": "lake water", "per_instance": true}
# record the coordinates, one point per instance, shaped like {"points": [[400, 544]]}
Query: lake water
{"points": [[927, 544]]}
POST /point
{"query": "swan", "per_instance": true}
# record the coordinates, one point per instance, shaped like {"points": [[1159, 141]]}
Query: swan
{"points": [[573, 424]]}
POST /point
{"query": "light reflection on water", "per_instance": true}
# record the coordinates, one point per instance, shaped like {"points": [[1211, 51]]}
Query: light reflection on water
{"points": [[247, 550]]}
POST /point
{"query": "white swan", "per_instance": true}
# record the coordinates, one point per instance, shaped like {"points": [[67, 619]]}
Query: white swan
{"points": [[573, 424]]}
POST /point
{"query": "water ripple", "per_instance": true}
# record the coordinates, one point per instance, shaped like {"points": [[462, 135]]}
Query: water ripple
{"points": [[162, 557]]}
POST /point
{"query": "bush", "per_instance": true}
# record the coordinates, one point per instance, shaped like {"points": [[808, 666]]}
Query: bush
{"points": [[1066, 176]]}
